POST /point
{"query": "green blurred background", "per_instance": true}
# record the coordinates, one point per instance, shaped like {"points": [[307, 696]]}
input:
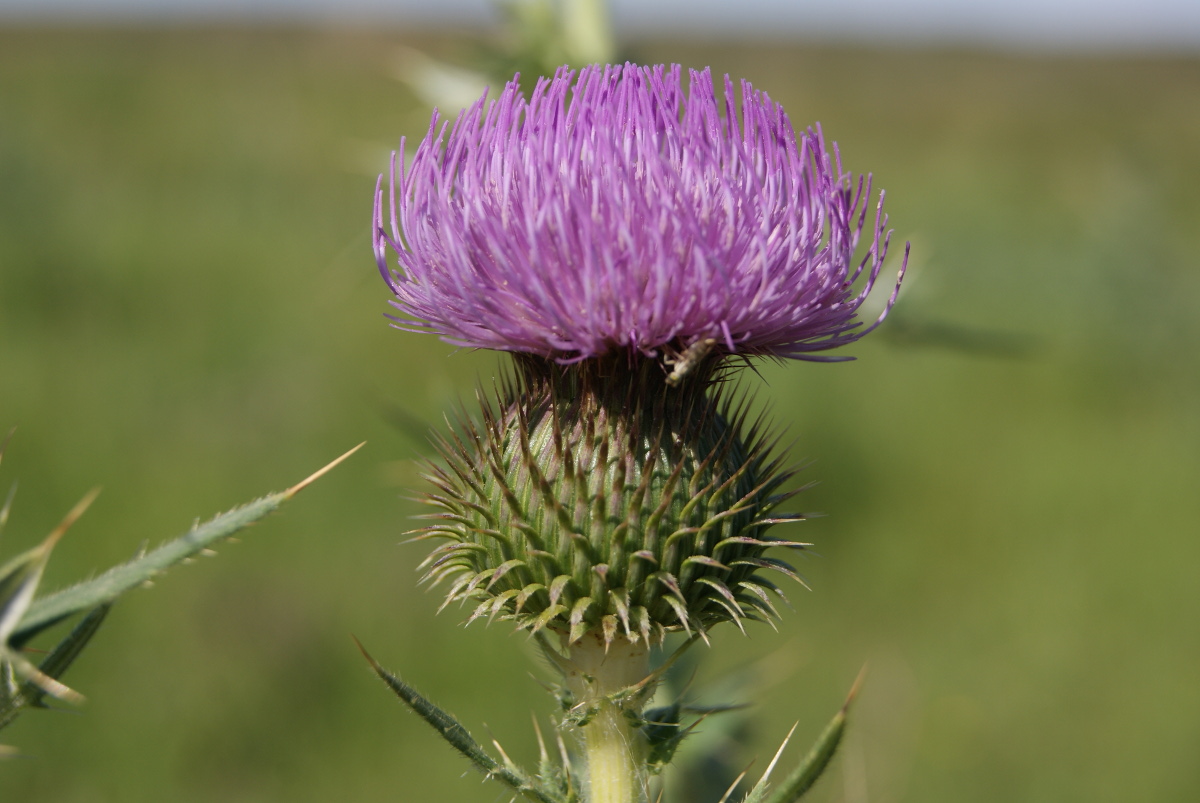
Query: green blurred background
{"points": [[190, 316]]}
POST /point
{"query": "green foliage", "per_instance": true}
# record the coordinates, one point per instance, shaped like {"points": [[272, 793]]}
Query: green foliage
{"points": [[23, 616], [802, 778], [17, 695], [665, 728], [46, 611], [552, 785], [19, 579]]}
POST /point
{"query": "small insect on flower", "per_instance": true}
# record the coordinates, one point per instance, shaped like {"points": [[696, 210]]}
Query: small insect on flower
{"points": [[681, 365]]}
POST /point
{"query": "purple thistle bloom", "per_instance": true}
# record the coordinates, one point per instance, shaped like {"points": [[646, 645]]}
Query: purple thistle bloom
{"points": [[619, 212]]}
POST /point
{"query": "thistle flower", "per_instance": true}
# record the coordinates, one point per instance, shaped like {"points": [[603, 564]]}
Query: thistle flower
{"points": [[622, 237], [619, 212]]}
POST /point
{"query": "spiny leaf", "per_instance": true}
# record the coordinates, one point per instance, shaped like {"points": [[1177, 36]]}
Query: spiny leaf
{"points": [[755, 795], [20, 576], [30, 694], [663, 733], [457, 736], [806, 774], [19, 580], [48, 610]]}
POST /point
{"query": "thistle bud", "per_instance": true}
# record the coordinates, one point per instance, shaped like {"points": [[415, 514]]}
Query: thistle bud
{"points": [[596, 497]]}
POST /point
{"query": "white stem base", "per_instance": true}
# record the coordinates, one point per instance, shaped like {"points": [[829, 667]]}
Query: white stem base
{"points": [[615, 751]]}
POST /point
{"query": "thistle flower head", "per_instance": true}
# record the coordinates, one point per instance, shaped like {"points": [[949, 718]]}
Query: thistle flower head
{"points": [[616, 211], [621, 236]]}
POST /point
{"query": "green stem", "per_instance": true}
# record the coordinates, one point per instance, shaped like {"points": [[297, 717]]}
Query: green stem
{"points": [[614, 748]]}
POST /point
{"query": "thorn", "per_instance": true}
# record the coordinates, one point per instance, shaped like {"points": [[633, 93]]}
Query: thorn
{"points": [[543, 756], [310, 479], [12, 492], [547, 687], [507, 761], [778, 753], [562, 752], [732, 786], [73, 516], [39, 678], [858, 681], [374, 664]]}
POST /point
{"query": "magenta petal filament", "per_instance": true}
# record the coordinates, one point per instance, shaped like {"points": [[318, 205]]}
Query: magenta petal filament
{"points": [[615, 210]]}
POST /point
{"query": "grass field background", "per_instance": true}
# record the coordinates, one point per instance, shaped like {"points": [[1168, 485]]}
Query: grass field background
{"points": [[190, 316]]}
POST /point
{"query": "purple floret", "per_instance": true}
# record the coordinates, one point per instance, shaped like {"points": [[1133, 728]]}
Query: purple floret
{"points": [[619, 212]]}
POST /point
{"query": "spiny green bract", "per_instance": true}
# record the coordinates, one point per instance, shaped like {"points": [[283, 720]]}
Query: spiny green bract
{"points": [[596, 496]]}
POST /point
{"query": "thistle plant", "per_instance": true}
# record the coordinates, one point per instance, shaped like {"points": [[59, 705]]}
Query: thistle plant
{"points": [[631, 241]]}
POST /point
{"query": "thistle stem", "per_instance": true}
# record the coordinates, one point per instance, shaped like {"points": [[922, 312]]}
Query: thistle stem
{"points": [[613, 746]]}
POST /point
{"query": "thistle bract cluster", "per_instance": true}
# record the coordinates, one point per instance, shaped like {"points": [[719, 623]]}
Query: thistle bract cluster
{"points": [[595, 497], [624, 237]]}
